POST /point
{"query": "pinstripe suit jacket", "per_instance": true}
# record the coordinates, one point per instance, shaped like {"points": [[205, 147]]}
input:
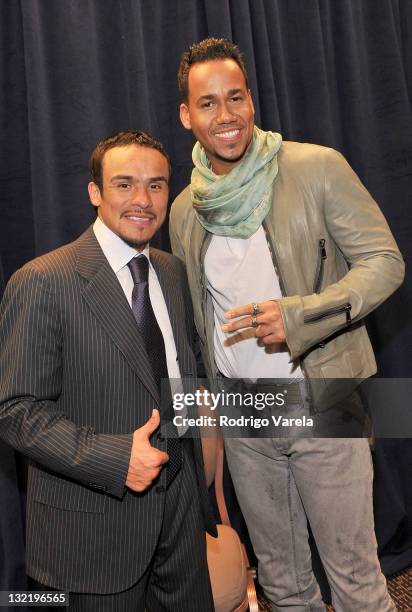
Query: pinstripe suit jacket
{"points": [[75, 381]]}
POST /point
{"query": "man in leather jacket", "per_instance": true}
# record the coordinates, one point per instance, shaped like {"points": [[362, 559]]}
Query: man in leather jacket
{"points": [[286, 253]]}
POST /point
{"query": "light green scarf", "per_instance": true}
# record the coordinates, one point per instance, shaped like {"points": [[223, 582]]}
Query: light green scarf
{"points": [[236, 203]]}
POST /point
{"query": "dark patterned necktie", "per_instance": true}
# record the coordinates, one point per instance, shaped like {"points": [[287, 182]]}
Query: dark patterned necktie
{"points": [[155, 347]]}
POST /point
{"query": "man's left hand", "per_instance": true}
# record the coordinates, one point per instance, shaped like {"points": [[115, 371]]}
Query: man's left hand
{"points": [[268, 322]]}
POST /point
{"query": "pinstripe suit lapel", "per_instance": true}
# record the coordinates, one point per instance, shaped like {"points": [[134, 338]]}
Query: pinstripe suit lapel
{"points": [[173, 298], [107, 301]]}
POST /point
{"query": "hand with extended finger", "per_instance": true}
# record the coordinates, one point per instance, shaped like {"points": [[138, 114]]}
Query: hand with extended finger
{"points": [[264, 317], [146, 461]]}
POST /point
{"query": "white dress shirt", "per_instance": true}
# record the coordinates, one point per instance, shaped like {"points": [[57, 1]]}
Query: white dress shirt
{"points": [[118, 253]]}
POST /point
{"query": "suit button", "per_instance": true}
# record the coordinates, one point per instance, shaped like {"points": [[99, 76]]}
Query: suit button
{"points": [[160, 437], [97, 486], [160, 489]]}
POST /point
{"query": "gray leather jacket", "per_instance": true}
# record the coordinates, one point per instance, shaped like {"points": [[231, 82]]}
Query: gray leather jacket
{"points": [[335, 257]]}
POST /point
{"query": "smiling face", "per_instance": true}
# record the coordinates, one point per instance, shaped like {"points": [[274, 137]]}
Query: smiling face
{"points": [[133, 201], [219, 111]]}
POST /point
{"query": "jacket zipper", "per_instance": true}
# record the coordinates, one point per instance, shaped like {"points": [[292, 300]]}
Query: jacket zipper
{"points": [[346, 308], [320, 268]]}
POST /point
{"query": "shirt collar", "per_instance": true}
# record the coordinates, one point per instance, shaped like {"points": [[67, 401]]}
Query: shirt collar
{"points": [[117, 252]]}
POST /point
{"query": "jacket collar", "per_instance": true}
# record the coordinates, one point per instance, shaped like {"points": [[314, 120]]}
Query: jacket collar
{"points": [[106, 299]]}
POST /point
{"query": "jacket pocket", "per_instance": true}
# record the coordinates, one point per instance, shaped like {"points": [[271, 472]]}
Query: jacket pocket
{"points": [[331, 312], [320, 266], [65, 494]]}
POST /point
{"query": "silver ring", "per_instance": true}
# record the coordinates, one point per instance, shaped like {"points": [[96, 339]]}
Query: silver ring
{"points": [[254, 321], [255, 309]]}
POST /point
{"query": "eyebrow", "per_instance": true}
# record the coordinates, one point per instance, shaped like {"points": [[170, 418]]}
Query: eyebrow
{"points": [[231, 92], [122, 177], [158, 178], [125, 177]]}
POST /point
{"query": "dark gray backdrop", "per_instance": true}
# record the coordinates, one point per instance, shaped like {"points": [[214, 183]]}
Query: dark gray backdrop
{"points": [[337, 73]]}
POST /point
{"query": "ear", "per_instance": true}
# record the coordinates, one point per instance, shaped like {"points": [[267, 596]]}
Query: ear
{"points": [[94, 194], [184, 116]]}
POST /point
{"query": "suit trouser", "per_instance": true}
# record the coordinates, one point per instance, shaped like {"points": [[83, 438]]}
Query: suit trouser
{"points": [[177, 579], [280, 484]]}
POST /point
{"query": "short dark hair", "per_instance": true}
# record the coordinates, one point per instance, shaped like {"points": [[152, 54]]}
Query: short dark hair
{"points": [[205, 51], [121, 139]]}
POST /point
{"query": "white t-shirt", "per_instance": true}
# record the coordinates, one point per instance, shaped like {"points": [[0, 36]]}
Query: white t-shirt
{"points": [[240, 271]]}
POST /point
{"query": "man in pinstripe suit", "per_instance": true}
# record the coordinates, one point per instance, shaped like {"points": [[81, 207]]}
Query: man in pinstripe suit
{"points": [[77, 392]]}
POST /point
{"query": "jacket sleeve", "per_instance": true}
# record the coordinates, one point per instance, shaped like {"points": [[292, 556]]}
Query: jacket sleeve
{"points": [[375, 267], [31, 367]]}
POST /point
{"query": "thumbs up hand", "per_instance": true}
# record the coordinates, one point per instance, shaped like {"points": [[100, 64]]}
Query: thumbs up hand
{"points": [[146, 461]]}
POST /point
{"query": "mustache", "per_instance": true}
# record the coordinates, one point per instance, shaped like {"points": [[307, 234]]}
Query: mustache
{"points": [[138, 211]]}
